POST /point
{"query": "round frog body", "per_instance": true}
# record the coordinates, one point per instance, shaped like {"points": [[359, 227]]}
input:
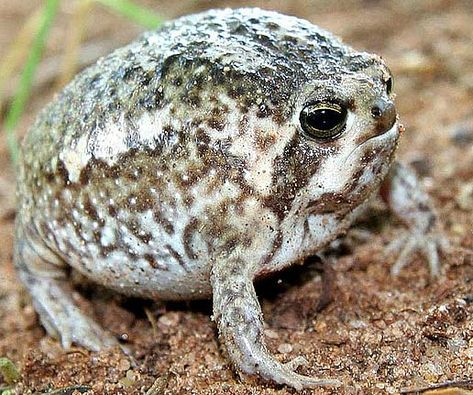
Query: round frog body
{"points": [[221, 147]]}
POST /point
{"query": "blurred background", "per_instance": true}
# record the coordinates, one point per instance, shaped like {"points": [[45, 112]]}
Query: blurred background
{"points": [[428, 44]]}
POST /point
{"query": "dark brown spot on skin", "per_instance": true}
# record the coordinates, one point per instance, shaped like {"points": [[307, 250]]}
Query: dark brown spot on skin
{"points": [[136, 230], [264, 140], [154, 263], [145, 237], [329, 203], [78, 230], [97, 235], [219, 111], [292, 171], [216, 123], [193, 100], [230, 243], [84, 175], [96, 169], [277, 242], [236, 91], [49, 177], [187, 236], [279, 117], [62, 172], [89, 209], [195, 173], [351, 105], [106, 250], [263, 111], [165, 223], [177, 257], [112, 210], [188, 200], [144, 200], [243, 125], [272, 26]]}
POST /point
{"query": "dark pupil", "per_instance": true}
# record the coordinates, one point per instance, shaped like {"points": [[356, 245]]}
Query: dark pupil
{"points": [[324, 118]]}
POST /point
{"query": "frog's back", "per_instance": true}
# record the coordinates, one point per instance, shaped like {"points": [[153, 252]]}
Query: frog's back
{"points": [[179, 63]]}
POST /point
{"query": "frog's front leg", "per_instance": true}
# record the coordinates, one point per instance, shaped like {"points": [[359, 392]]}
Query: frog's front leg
{"points": [[44, 275], [240, 324], [404, 194]]}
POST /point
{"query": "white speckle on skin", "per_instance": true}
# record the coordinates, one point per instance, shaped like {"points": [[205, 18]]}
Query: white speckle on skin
{"points": [[107, 236], [109, 142], [75, 158]]}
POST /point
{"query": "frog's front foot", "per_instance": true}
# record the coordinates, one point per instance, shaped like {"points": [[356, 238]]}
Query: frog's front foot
{"points": [[404, 194], [430, 245], [240, 323]]}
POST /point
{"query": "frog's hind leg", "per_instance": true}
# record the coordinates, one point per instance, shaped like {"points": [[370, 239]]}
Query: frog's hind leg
{"points": [[240, 323], [44, 275]]}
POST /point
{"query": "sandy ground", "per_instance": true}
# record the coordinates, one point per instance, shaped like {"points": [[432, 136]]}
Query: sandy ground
{"points": [[380, 334]]}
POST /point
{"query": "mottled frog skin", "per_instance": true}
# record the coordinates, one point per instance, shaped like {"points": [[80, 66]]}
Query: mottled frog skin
{"points": [[180, 167]]}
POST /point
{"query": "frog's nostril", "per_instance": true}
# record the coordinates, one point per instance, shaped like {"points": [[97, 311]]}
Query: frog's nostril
{"points": [[376, 112], [384, 112]]}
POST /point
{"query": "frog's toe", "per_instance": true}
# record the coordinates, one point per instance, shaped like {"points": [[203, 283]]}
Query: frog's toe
{"points": [[296, 363], [431, 246], [83, 331], [62, 319], [287, 376]]}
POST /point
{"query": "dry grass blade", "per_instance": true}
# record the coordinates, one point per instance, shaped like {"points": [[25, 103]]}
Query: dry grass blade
{"points": [[447, 388]]}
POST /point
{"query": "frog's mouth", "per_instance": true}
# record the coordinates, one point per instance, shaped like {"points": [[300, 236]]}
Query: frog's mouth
{"points": [[371, 159], [330, 203], [387, 139]]}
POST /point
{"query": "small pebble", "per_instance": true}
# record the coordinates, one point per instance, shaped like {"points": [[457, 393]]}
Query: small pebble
{"points": [[358, 324], [124, 364], [129, 379], [271, 334], [285, 348], [169, 319]]}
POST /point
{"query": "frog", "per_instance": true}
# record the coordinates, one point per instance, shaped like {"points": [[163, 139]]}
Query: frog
{"points": [[215, 150]]}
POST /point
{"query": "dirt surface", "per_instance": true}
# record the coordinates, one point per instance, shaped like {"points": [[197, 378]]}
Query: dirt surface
{"points": [[380, 334]]}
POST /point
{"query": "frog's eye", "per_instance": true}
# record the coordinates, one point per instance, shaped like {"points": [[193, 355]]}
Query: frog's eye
{"points": [[389, 85], [323, 121]]}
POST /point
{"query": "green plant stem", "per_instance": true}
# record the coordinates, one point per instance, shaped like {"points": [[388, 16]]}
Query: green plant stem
{"points": [[21, 96], [134, 12]]}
